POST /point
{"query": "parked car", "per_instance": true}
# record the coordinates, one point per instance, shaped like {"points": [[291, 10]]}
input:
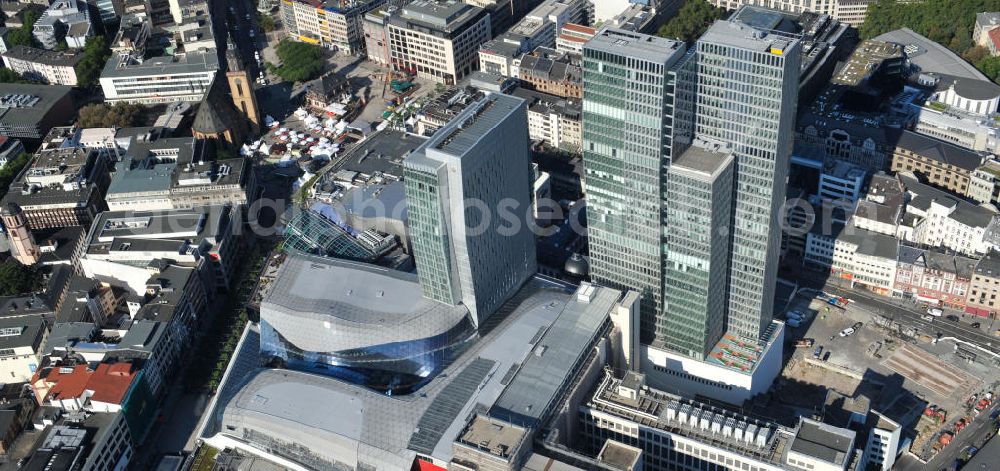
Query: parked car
{"points": [[976, 325], [936, 312], [857, 325], [826, 356], [818, 352], [847, 332], [952, 317]]}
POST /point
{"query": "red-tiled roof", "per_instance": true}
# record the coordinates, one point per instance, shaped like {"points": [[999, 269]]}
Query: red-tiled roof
{"points": [[994, 35], [421, 465], [580, 28], [69, 382], [577, 39], [109, 382]]}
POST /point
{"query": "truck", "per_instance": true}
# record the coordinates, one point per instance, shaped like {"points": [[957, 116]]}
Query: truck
{"points": [[804, 343], [833, 300]]}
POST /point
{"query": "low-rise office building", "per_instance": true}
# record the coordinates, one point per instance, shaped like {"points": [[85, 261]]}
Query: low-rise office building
{"points": [[121, 245], [164, 79], [438, 40], [329, 23], [61, 187], [679, 433], [852, 12], [941, 163], [856, 255], [29, 111], [573, 36], [40, 65], [173, 173]]}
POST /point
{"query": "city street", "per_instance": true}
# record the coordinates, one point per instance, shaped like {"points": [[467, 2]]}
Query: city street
{"points": [[911, 314], [975, 434]]}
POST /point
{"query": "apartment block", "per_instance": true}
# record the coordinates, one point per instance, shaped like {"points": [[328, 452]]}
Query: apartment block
{"points": [[329, 23], [549, 71], [39, 65], [985, 287], [933, 277], [553, 120]]}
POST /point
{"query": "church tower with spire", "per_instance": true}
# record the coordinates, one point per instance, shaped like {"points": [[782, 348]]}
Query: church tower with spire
{"points": [[241, 87], [22, 244]]}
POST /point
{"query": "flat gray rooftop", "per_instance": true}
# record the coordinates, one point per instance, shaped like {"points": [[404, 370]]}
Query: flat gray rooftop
{"points": [[823, 442], [636, 45], [190, 63], [703, 160], [754, 35]]}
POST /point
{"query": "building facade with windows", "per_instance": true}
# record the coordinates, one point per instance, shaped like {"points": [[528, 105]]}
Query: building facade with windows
{"points": [[437, 40], [165, 79], [984, 288], [852, 12], [479, 161], [933, 278], [39, 65], [331, 24]]}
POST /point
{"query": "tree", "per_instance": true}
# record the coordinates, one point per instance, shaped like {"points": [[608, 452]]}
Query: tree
{"points": [[18, 279], [95, 54], [10, 171], [9, 76], [22, 36], [975, 55], [265, 22], [990, 67], [946, 22], [103, 115], [691, 21], [299, 61]]}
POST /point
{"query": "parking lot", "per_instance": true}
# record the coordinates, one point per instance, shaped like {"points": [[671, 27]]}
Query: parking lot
{"points": [[881, 364]]}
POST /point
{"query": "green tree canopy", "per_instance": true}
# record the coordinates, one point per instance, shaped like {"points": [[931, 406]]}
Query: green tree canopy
{"points": [[18, 279], [299, 61], [22, 36], [103, 115], [9, 76], [691, 21], [95, 54], [265, 22], [946, 22], [10, 171]]}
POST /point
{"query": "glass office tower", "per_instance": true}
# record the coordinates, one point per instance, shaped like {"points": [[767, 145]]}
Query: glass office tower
{"points": [[627, 135], [747, 89], [648, 101]]}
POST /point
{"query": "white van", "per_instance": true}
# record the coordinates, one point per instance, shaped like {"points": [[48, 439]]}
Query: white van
{"points": [[936, 312]]}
